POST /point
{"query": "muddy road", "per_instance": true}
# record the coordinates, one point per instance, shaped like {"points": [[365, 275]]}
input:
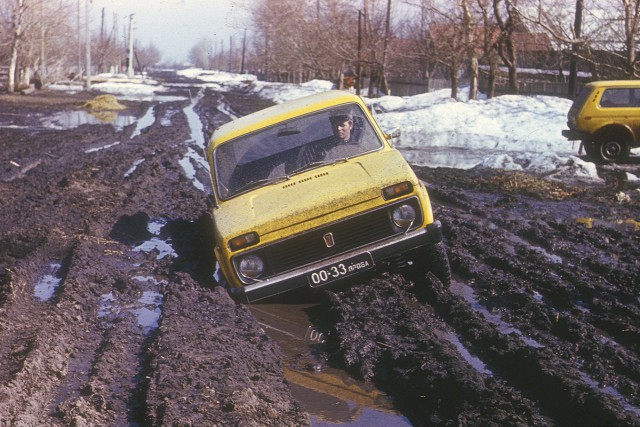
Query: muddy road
{"points": [[110, 313]]}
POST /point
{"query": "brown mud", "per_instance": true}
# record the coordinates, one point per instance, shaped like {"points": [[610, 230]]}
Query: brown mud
{"points": [[110, 313]]}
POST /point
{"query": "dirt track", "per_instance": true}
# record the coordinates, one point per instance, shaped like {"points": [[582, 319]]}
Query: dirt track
{"points": [[541, 325]]}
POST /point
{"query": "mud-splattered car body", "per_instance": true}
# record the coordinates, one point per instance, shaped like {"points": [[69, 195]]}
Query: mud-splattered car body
{"points": [[290, 212]]}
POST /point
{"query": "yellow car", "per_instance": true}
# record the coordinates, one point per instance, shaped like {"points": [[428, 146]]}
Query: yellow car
{"points": [[605, 117], [311, 192]]}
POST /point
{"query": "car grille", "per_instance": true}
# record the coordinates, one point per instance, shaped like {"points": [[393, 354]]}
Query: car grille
{"points": [[348, 234]]}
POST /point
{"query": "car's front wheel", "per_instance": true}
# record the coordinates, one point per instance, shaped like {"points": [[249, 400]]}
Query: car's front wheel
{"points": [[434, 259], [611, 150]]}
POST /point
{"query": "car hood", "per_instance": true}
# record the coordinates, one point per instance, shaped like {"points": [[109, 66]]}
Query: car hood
{"points": [[312, 198]]}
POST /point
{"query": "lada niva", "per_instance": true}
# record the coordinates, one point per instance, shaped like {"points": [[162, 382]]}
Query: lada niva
{"points": [[312, 192], [605, 117]]}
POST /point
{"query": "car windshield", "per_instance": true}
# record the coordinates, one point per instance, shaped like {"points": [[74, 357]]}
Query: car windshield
{"points": [[275, 153]]}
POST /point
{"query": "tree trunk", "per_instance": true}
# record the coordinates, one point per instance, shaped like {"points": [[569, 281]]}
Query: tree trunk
{"points": [[384, 87], [453, 76], [506, 47], [491, 83], [573, 65], [631, 10], [472, 59], [16, 22]]}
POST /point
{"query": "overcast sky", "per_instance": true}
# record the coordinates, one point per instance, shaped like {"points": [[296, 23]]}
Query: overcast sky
{"points": [[173, 26]]}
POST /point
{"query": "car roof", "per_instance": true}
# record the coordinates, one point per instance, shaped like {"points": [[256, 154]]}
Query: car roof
{"points": [[615, 83], [281, 112]]}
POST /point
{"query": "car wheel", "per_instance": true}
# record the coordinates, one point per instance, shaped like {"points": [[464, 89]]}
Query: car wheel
{"points": [[611, 150], [434, 259]]}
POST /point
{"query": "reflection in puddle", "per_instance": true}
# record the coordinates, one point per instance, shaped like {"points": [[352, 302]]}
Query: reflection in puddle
{"points": [[329, 395], [147, 308], [195, 124], [516, 240], [609, 391], [75, 118], [504, 328], [144, 122], [46, 287], [193, 159], [106, 304], [187, 162], [225, 108], [157, 244], [133, 168], [149, 315], [162, 247], [551, 257], [166, 120], [93, 150], [449, 157], [475, 363], [368, 417]]}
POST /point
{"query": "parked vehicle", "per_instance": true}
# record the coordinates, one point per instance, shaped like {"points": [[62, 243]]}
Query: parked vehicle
{"points": [[311, 192], [605, 117]]}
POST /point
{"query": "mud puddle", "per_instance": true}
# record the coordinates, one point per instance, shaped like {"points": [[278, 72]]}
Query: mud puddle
{"points": [[75, 118], [329, 395]]}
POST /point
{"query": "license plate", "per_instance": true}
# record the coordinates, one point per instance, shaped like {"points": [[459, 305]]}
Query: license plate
{"points": [[348, 267]]}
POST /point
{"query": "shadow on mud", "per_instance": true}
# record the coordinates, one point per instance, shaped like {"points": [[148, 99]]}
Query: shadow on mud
{"points": [[189, 243]]}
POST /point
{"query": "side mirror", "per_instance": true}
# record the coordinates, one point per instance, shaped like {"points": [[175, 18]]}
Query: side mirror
{"points": [[394, 133]]}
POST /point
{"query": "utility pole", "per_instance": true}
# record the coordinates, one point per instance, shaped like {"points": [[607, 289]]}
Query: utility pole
{"points": [[230, 52], [130, 62], [79, 43], [244, 47], [359, 69], [87, 35]]}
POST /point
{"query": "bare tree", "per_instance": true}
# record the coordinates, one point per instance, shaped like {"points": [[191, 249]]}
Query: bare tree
{"points": [[17, 17], [469, 41], [147, 56], [488, 44], [200, 54], [506, 14], [414, 50], [631, 29], [36, 37]]}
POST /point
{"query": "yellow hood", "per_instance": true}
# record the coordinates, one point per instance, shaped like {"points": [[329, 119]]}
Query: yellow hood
{"points": [[311, 198]]}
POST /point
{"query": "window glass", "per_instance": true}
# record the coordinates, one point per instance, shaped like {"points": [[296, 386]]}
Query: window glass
{"points": [[275, 153], [620, 98]]}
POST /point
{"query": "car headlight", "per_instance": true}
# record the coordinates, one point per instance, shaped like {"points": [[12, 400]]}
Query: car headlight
{"points": [[251, 266], [404, 216]]}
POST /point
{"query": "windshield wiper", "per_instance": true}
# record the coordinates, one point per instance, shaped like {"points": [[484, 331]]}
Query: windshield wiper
{"points": [[260, 182], [318, 163]]}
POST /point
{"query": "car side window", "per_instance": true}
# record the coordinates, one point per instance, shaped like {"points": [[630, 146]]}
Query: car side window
{"points": [[620, 98]]}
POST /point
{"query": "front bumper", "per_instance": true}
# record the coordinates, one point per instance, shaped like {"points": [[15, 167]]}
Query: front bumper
{"points": [[379, 251]]}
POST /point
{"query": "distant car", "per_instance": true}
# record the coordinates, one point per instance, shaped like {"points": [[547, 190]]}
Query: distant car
{"points": [[606, 118], [311, 192]]}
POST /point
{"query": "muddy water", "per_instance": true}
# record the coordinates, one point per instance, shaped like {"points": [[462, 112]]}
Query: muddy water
{"points": [[329, 395]]}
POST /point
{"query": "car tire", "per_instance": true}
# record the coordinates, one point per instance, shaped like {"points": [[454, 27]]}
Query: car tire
{"points": [[434, 259], [611, 150]]}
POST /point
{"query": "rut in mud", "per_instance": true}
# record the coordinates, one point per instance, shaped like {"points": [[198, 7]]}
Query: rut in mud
{"points": [[109, 313]]}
